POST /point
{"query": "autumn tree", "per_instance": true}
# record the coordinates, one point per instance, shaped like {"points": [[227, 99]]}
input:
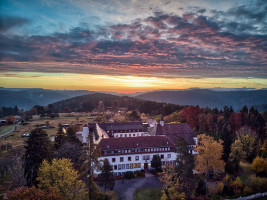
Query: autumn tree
{"points": [[259, 165], [61, 175], [248, 140], [184, 167], [209, 155], [101, 106], [156, 162], [33, 193], [106, 178], [172, 189], [133, 116], [190, 115], [38, 148], [237, 154]]}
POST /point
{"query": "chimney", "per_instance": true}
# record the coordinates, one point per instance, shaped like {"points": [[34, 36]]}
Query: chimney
{"points": [[161, 121]]}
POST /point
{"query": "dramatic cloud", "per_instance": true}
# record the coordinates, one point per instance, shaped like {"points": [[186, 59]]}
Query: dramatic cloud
{"points": [[8, 22], [157, 38]]}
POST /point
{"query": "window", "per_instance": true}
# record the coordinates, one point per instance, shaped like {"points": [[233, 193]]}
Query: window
{"points": [[131, 166], [129, 158], [115, 167], [113, 159], [121, 159], [129, 151], [119, 167], [123, 166], [169, 155], [127, 166], [139, 165], [135, 165], [130, 135], [136, 158], [125, 135], [134, 135], [162, 156], [112, 152], [120, 135], [147, 157]]}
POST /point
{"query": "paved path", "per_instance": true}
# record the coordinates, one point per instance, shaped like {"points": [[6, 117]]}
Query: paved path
{"points": [[126, 188], [10, 131]]}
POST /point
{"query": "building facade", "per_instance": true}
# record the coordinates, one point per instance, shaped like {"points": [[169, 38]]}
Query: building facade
{"points": [[130, 147]]}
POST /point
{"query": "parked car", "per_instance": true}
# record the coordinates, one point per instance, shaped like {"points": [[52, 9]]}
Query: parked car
{"points": [[26, 135]]}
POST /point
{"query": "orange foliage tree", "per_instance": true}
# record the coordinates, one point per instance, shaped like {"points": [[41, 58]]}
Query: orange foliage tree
{"points": [[33, 193]]}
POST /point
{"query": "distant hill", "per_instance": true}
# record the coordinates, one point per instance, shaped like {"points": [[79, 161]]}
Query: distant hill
{"points": [[212, 99], [27, 98], [89, 102]]}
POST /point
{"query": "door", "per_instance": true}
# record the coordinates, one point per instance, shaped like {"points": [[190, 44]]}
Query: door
{"points": [[145, 166]]}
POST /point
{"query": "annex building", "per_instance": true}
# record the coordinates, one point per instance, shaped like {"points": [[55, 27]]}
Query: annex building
{"points": [[130, 146]]}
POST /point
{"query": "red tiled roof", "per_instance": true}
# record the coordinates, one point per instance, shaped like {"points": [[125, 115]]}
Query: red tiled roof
{"points": [[175, 130], [135, 142]]}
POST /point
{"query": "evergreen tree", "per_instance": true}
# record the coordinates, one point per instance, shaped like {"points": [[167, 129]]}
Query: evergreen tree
{"points": [[106, 177], [60, 137], [38, 148], [156, 162], [201, 188], [184, 168], [71, 136], [90, 157]]}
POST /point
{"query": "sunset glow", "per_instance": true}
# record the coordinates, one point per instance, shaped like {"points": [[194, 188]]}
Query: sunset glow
{"points": [[133, 46]]}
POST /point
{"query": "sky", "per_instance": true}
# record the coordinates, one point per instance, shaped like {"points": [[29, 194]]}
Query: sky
{"points": [[133, 45]]}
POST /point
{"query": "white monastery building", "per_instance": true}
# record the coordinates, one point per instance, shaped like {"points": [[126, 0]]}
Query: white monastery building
{"points": [[129, 146]]}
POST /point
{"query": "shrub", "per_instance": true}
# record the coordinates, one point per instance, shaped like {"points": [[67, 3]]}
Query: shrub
{"points": [[139, 173], [128, 175], [247, 191], [257, 184], [259, 165]]}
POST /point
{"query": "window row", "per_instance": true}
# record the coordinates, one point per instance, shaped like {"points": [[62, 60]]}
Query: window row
{"points": [[129, 135], [137, 150], [136, 158], [127, 131], [126, 166]]}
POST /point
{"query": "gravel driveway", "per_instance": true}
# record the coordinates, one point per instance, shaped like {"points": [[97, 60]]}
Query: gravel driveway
{"points": [[126, 188]]}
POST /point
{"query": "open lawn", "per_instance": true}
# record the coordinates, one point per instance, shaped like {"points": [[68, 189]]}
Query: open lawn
{"points": [[16, 140], [4, 129], [148, 193]]}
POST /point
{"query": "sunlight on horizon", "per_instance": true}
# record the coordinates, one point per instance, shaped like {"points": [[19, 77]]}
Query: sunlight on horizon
{"points": [[125, 84]]}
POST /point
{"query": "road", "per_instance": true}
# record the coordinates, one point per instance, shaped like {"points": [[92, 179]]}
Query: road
{"points": [[126, 188]]}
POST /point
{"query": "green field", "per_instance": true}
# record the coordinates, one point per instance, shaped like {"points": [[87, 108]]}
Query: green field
{"points": [[148, 193], [4, 129]]}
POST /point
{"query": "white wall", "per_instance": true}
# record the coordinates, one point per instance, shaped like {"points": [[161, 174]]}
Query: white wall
{"points": [[141, 160]]}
